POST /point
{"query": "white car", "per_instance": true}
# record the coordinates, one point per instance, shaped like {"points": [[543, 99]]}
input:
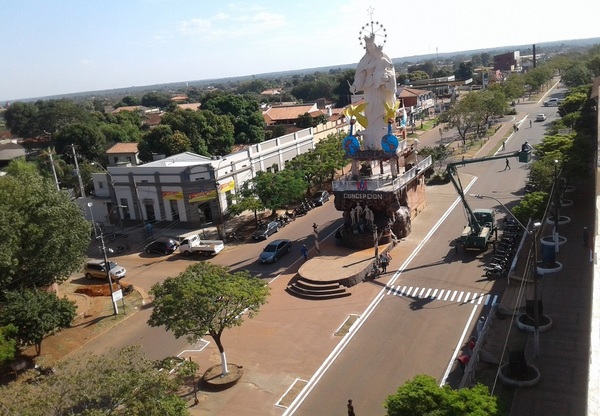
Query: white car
{"points": [[540, 117]]}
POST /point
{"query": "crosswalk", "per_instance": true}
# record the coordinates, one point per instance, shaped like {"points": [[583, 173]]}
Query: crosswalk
{"points": [[444, 295]]}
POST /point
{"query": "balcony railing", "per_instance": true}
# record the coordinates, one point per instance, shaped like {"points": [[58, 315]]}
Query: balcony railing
{"points": [[382, 182]]}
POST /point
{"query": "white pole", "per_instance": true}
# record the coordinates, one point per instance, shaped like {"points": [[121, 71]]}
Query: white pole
{"points": [[81, 189]]}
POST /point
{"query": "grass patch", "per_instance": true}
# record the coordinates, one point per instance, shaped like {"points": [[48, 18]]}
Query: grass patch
{"points": [[343, 330], [292, 393]]}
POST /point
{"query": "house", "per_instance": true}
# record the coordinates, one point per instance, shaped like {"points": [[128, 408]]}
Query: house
{"points": [[288, 114], [417, 102], [123, 154], [10, 150]]}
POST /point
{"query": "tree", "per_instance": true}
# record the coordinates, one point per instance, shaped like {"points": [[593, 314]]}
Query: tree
{"points": [[21, 119], [156, 99], [8, 343], [243, 112], [206, 298], [467, 114], [122, 382], [88, 139], [464, 71], [531, 206], [577, 74], [36, 314], [44, 235], [278, 189], [422, 396]]}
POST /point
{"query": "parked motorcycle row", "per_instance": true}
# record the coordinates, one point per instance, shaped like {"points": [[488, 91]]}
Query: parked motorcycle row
{"points": [[504, 250]]}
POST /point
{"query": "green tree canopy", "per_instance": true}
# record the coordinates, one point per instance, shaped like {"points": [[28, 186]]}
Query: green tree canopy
{"points": [[278, 189], [8, 343], [206, 299], [44, 234], [244, 113], [577, 74], [422, 396], [122, 382], [156, 99], [88, 139], [35, 314]]}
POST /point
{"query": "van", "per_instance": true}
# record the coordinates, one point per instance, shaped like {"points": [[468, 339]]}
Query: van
{"points": [[552, 102]]}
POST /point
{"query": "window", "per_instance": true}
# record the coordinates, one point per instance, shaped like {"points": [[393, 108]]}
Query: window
{"points": [[116, 158], [100, 184]]}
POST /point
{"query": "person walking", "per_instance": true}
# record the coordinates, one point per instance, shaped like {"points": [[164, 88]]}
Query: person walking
{"points": [[530, 123], [384, 260], [504, 145], [304, 252], [507, 166], [350, 409]]}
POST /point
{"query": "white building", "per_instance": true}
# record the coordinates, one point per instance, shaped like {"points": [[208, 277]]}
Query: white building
{"points": [[183, 187]]}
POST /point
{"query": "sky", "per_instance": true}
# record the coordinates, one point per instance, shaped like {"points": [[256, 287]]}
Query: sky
{"points": [[69, 46]]}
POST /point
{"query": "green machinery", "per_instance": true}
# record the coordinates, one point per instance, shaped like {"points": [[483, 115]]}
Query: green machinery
{"points": [[481, 222]]}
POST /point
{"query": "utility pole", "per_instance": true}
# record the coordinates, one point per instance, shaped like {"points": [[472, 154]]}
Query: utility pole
{"points": [[54, 171], [107, 266], [81, 188]]}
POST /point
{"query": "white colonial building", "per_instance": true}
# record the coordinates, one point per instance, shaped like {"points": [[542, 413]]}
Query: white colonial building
{"points": [[184, 188]]}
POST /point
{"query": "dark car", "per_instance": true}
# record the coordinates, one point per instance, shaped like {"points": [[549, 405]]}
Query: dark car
{"points": [[264, 231], [319, 198], [162, 246], [274, 250]]}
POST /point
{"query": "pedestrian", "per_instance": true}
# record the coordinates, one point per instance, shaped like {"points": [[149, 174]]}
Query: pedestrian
{"points": [[351, 409], [586, 237], [504, 145], [384, 260], [304, 252], [530, 123], [507, 166]]}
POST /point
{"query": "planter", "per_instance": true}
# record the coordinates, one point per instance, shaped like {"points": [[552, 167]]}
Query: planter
{"points": [[531, 377], [525, 323], [569, 188], [549, 240], [543, 268], [566, 203], [562, 220]]}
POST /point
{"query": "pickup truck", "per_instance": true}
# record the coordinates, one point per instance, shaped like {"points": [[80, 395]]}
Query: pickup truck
{"points": [[553, 102], [193, 244]]}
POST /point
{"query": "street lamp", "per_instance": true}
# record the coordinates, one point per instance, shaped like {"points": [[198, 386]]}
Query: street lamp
{"points": [[533, 234], [220, 208]]}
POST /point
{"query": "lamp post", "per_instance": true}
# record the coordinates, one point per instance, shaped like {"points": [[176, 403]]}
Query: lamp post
{"points": [[218, 194], [533, 234], [107, 266]]}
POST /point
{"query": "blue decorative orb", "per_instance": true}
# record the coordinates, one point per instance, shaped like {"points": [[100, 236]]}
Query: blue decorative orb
{"points": [[350, 145], [389, 143]]}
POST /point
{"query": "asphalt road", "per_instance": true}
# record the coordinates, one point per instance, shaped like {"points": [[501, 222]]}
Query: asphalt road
{"points": [[410, 334]]}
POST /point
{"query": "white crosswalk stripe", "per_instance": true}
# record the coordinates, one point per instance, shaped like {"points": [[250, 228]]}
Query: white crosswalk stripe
{"points": [[444, 295]]}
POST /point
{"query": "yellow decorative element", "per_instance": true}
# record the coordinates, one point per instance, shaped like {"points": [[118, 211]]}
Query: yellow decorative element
{"points": [[356, 111], [391, 110]]}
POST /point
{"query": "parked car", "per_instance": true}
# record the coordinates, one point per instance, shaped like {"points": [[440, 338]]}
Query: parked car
{"points": [[96, 269], [540, 117], [162, 246], [319, 198], [264, 231], [274, 250]]}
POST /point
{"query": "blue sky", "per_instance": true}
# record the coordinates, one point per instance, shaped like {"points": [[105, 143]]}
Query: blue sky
{"points": [[67, 46]]}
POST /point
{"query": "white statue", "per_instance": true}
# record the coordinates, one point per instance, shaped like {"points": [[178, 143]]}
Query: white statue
{"points": [[375, 75], [353, 216], [369, 216], [359, 211]]}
